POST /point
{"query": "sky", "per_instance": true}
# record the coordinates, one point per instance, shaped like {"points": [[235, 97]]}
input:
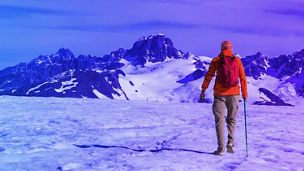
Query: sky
{"points": [[32, 28]]}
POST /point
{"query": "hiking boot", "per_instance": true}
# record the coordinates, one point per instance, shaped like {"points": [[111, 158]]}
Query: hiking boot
{"points": [[230, 148], [220, 151]]}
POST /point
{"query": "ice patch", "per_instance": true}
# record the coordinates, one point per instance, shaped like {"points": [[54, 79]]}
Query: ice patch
{"points": [[60, 146], [99, 95], [264, 97], [39, 61], [286, 90], [37, 87], [205, 58], [67, 85], [71, 166], [121, 96]]}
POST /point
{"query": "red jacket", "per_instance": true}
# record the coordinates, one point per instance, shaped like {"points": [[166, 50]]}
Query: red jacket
{"points": [[218, 88]]}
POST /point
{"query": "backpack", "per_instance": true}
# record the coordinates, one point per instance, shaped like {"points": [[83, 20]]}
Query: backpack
{"points": [[228, 71]]}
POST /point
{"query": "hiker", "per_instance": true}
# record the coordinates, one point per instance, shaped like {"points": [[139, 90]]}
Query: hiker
{"points": [[229, 69]]}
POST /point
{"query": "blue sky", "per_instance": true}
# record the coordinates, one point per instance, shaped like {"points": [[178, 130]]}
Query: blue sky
{"points": [[32, 28]]}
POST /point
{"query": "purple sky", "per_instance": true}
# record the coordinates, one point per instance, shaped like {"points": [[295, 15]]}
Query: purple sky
{"points": [[32, 28]]}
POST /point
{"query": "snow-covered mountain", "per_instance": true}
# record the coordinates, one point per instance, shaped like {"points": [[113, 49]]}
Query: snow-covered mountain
{"points": [[283, 74], [153, 69], [64, 75]]}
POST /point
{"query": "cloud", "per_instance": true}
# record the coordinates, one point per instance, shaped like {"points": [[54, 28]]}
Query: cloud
{"points": [[189, 2], [18, 11], [261, 31], [288, 12], [174, 1], [150, 25]]}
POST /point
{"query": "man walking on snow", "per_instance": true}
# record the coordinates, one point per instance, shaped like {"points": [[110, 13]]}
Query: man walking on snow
{"points": [[229, 69]]}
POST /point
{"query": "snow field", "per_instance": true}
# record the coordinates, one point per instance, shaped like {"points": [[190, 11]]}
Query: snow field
{"points": [[93, 134]]}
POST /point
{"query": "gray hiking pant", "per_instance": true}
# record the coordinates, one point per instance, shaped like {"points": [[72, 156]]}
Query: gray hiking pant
{"points": [[220, 104]]}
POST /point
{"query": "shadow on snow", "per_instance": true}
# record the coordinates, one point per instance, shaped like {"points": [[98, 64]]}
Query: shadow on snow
{"points": [[141, 150]]}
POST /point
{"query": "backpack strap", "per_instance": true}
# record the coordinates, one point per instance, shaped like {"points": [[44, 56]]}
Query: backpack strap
{"points": [[227, 56]]}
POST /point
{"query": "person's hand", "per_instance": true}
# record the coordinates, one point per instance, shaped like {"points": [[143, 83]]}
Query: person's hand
{"points": [[202, 96]]}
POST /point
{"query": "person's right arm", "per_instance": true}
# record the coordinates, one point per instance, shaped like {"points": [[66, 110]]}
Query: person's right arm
{"points": [[208, 77]]}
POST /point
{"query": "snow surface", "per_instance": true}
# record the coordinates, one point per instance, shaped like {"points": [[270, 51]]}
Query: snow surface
{"points": [[99, 134], [156, 81], [160, 82]]}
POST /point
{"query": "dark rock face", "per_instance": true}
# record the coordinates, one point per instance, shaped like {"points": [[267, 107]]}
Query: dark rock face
{"points": [[255, 65], [14, 69], [38, 70], [284, 65], [193, 76], [273, 99], [78, 84], [279, 67], [287, 65]]}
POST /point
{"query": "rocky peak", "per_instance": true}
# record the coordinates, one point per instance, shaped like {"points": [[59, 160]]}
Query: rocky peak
{"points": [[286, 65], [65, 54], [255, 65], [59, 58], [117, 55], [299, 56], [300, 53], [21, 67], [260, 59], [152, 43], [154, 48]]}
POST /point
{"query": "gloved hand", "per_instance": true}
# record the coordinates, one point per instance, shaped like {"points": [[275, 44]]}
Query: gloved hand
{"points": [[202, 96]]}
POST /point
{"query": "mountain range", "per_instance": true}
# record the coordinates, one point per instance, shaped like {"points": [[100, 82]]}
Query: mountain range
{"points": [[153, 69]]}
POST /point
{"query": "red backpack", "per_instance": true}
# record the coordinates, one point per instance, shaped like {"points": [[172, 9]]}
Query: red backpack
{"points": [[228, 71]]}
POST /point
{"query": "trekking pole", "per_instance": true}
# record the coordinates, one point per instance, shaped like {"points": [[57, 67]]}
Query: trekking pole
{"points": [[245, 128]]}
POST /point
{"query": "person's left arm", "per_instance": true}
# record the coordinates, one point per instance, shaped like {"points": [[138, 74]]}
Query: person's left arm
{"points": [[243, 80]]}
